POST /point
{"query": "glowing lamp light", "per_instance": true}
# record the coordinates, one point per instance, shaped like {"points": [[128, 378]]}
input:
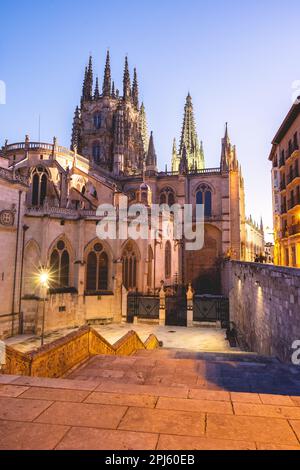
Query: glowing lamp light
{"points": [[44, 277]]}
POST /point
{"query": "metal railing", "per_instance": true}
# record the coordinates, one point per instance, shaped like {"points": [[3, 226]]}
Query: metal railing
{"points": [[294, 229]]}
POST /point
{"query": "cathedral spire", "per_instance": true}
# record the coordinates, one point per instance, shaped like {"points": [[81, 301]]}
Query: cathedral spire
{"points": [[107, 77], [226, 150], [188, 135], [174, 146], [151, 161], [84, 85], [261, 225], [90, 79], [135, 90], [126, 82], [143, 127], [189, 140], [183, 165], [75, 142], [97, 92], [87, 88]]}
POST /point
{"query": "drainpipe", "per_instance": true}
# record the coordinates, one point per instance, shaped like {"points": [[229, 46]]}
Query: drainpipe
{"points": [[25, 228], [16, 266]]}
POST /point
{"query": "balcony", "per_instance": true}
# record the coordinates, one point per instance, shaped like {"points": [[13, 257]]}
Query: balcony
{"points": [[293, 148], [294, 229], [281, 162], [293, 203], [282, 186], [293, 175]]}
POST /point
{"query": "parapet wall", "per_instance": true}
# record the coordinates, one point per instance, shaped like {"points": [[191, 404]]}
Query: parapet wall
{"points": [[58, 358], [265, 306]]}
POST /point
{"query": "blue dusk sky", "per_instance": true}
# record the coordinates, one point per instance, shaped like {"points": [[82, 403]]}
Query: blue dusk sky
{"points": [[239, 60]]}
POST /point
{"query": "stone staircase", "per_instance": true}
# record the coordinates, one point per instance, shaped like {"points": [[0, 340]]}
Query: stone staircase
{"points": [[233, 372], [164, 399]]}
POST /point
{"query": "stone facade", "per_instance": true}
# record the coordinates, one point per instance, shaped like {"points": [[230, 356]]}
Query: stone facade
{"points": [[255, 241], [265, 306], [285, 158], [12, 197], [112, 158]]}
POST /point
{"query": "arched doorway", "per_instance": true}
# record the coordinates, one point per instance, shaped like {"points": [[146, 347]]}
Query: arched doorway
{"points": [[202, 267]]}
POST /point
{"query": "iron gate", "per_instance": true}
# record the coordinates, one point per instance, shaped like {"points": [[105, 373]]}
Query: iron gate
{"points": [[210, 309], [176, 309], [142, 306]]}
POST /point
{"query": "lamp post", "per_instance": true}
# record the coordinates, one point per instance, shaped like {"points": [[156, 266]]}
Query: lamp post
{"points": [[44, 283]]}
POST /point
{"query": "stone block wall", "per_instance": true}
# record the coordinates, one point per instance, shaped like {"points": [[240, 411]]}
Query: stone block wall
{"points": [[265, 306]]}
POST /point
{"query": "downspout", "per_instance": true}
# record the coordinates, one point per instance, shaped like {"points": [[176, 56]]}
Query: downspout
{"points": [[25, 228], [16, 266]]}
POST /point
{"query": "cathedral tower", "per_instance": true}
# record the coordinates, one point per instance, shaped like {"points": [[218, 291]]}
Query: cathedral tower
{"points": [[190, 149], [108, 129]]}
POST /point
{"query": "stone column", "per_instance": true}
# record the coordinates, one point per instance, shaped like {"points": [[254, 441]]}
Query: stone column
{"points": [[162, 305], [190, 306], [118, 291]]}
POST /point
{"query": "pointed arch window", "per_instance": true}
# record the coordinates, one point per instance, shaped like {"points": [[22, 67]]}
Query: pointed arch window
{"points": [[97, 120], [60, 266], [168, 260], [96, 153], [167, 196], [129, 260], [39, 186], [150, 267], [97, 269], [204, 196]]}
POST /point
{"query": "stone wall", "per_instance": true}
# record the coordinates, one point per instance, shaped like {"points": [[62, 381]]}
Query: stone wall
{"points": [[265, 306], [56, 359]]}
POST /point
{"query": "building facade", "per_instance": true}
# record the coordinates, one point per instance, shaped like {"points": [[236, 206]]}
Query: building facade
{"points": [[255, 241], [285, 158], [113, 158]]}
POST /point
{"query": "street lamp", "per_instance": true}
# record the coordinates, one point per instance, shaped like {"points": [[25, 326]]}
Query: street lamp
{"points": [[44, 277]]}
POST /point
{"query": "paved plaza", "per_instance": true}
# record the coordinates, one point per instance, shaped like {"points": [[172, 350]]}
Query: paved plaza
{"points": [[165, 399], [208, 339]]}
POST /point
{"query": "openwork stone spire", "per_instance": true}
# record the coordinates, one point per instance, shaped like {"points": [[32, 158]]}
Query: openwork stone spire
{"points": [[97, 92], [87, 88], [75, 141], [107, 77], [126, 82], [183, 165], [135, 90], [188, 136], [151, 161], [189, 140], [143, 127]]}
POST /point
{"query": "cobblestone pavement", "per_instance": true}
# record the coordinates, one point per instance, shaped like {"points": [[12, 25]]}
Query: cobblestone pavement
{"points": [[164, 399]]}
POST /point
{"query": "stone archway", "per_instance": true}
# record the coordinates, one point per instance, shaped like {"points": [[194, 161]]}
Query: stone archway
{"points": [[202, 266]]}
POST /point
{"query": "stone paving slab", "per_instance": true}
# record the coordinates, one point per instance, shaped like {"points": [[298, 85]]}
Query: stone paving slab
{"points": [[129, 417], [253, 429], [267, 411], [144, 401], [83, 415], [164, 422], [143, 390], [98, 439], [15, 409], [168, 442], [204, 406], [16, 435], [89, 385], [12, 391], [53, 394]]}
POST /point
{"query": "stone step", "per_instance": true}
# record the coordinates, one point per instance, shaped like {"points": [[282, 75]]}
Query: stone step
{"points": [[233, 356]]}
